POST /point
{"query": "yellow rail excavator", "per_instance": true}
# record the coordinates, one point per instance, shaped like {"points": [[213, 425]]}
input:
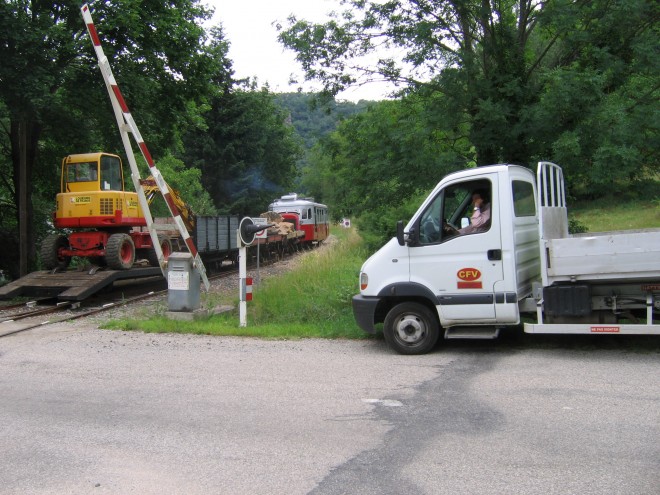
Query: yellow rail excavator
{"points": [[104, 218]]}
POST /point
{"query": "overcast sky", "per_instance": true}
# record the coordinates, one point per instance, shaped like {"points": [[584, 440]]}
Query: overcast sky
{"points": [[255, 51]]}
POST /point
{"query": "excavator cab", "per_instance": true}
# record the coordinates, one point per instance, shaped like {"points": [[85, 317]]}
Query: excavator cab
{"points": [[101, 216], [98, 172], [93, 196]]}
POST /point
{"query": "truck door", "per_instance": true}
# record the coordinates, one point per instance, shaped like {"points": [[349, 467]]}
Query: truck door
{"points": [[456, 253]]}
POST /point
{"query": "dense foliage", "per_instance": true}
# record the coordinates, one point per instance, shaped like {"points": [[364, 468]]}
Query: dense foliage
{"points": [[483, 82], [52, 94], [247, 153]]}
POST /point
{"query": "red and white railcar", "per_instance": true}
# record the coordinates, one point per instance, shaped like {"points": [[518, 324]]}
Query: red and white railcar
{"points": [[307, 215]]}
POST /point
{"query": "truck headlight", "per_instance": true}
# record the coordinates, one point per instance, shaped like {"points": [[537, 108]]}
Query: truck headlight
{"points": [[364, 281]]}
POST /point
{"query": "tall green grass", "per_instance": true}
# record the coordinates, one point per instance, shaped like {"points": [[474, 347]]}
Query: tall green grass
{"points": [[605, 215], [312, 300], [318, 293]]}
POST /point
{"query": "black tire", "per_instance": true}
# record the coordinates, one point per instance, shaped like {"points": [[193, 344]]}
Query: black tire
{"points": [[411, 328], [50, 252], [165, 246], [120, 252]]}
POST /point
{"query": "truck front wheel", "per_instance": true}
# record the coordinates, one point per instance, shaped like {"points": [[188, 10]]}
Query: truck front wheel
{"points": [[411, 328]]}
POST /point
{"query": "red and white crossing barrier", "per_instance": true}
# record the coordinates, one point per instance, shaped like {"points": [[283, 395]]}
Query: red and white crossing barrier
{"points": [[127, 124]]}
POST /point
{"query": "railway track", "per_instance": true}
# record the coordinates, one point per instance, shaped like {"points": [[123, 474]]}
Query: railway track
{"points": [[30, 313], [32, 309], [61, 307]]}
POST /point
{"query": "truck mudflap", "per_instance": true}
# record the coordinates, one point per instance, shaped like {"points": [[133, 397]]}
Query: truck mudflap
{"points": [[593, 329], [364, 309]]}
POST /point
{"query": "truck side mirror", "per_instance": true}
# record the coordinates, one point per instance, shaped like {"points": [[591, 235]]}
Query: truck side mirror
{"points": [[399, 233]]}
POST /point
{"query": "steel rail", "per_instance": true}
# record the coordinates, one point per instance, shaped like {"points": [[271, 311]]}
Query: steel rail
{"points": [[94, 311]]}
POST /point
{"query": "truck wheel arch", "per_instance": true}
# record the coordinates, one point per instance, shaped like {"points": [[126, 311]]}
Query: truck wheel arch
{"points": [[396, 293]]}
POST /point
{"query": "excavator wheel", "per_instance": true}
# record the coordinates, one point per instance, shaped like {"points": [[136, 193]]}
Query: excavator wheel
{"points": [[165, 246], [50, 257], [120, 252]]}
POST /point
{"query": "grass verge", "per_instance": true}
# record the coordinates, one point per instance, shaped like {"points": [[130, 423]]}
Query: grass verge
{"points": [[313, 300], [606, 215]]}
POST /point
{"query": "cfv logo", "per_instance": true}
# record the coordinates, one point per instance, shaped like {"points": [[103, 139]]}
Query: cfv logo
{"points": [[469, 278]]}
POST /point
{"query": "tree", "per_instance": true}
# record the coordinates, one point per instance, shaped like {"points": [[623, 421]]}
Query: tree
{"points": [[495, 62], [188, 183], [247, 153], [478, 53], [597, 113], [50, 84], [379, 164]]}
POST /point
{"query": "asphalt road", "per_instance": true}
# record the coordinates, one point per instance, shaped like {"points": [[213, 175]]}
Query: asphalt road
{"points": [[91, 411]]}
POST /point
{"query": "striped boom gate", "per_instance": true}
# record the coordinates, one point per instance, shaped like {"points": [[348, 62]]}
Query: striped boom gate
{"points": [[127, 124]]}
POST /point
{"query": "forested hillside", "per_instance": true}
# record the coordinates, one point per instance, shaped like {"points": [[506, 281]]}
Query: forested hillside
{"points": [[314, 117]]}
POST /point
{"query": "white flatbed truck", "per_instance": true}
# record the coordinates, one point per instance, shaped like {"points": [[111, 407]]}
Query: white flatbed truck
{"points": [[432, 279]]}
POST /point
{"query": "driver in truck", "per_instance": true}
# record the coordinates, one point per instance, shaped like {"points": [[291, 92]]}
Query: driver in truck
{"points": [[480, 220]]}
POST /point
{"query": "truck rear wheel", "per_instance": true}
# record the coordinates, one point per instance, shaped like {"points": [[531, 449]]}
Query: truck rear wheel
{"points": [[50, 252], [165, 246], [411, 328], [120, 252]]}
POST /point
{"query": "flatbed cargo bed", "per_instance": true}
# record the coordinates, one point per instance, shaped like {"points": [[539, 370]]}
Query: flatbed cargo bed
{"points": [[616, 256]]}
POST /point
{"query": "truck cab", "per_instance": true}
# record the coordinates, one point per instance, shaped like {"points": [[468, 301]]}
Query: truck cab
{"points": [[453, 275]]}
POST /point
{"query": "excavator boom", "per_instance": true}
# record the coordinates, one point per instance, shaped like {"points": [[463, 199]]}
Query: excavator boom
{"points": [[151, 189]]}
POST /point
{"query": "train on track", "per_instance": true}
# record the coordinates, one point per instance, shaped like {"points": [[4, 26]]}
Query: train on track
{"points": [[216, 241], [306, 215]]}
